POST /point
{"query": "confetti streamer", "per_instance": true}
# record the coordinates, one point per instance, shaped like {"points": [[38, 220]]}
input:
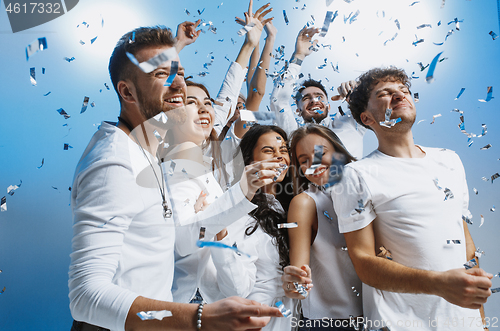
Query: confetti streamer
{"points": [[187, 12], [43, 161], [460, 93], [84, 105], [489, 96], [12, 188], [47, 94], [482, 221], [301, 289], [63, 113], [69, 59], [329, 18], [388, 123], [243, 31], [397, 24], [38, 45], [287, 225], [413, 3], [318, 156], [493, 35], [285, 312], [217, 244], [354, 17], [434, 118], [3, 290], [152, 315], [154, 62], [470, 264], [3, 204], [32, 76], [494, 176], [173, 73], [327, 215], [430, 72], [484, 131], [467, 220], [486, 147], [421, 26], [201, 12], [285, 17], [457, 23]]}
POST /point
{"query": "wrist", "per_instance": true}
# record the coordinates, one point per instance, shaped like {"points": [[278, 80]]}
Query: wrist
{"points": [[297, 59], [199, 312]]}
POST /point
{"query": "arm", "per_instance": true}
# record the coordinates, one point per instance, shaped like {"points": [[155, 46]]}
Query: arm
{"points": [[303, 211], [257, 86], [186, 34]]}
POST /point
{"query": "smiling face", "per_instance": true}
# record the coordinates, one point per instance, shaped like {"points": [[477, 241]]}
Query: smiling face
{"points": [[152, 96], [270, 145], [199, 118], [396, 96], [313, 104], [305, 156]]}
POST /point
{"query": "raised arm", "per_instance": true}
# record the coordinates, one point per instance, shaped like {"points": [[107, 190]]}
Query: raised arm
{"points": [[186, 34]]}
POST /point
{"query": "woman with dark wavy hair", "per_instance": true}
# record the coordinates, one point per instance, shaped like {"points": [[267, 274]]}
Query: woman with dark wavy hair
{"points": [[261, 236], [317, 248]]}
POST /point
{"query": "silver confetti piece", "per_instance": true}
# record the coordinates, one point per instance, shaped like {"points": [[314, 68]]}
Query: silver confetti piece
{"points": [[470, 264], [243, 31], [285, 312], [448, 194], [151, 315], [84, 105], [329, 18], [154, 62], [388, 123], [493, 290], [355, 291], [486, 147], [287, 225], [451, 241], [38, 45], [301, 289], [32, 76]]}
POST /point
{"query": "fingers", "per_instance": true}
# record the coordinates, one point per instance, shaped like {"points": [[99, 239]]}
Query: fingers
{"points": [[264, 22], [261, 16], [250, 5], [336, 98], [240, 21], [197, 23], [257, 13]]}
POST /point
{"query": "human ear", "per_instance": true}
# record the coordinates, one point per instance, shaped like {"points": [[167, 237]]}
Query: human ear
{"points": [[367, 118], [127, 92]]}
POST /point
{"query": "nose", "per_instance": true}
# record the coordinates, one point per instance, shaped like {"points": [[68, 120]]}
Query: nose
{"points": [[398, 95], [178, 83]]}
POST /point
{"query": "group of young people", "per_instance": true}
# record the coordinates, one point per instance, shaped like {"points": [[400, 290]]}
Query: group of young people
{"points": [[184, 209]]}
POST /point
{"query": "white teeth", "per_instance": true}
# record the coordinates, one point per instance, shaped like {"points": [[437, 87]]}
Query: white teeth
{"points": [[319, 173], [177, 99], [203, 122], [315, 108]]}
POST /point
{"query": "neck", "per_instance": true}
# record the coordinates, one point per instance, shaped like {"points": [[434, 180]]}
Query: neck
{"points": [[270, 189], [142, 131], [399, 145]]}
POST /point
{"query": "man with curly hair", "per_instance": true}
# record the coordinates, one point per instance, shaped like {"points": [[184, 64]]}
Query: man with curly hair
{"points": [[403, 211]]}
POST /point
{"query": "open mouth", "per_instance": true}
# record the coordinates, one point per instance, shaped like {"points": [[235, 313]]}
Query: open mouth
{"points": [[204, 123], [316, 110], [319, 172], [175, 101]]}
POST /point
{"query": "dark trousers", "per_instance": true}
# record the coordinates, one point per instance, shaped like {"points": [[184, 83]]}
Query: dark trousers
{"points": [[82, 326]]}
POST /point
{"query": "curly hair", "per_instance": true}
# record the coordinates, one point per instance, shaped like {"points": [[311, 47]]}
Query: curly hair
{"points": [[266, 217], [358, 101]]}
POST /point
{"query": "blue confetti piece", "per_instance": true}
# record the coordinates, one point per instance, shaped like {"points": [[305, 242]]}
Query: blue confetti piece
{"points": [[173, 73], [489, 96], [460, 93], [216, 244], [430, 72], [285, 17]]}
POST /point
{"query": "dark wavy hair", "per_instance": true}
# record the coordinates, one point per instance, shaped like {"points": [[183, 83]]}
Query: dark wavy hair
{"points": [[358, 100], [265, 216]]}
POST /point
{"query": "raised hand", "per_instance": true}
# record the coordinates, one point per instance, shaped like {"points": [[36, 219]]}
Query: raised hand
{"points": [[292, 274], [344, 90], [259, 174], [258, 19], [303, 43], [186, 34]]}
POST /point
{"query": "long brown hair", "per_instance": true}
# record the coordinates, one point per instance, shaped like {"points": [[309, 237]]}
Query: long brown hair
{"points": [[299, 180]]}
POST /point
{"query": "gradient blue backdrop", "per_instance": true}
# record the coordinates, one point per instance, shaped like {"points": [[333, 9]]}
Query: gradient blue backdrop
{"points": [[36, 230]]}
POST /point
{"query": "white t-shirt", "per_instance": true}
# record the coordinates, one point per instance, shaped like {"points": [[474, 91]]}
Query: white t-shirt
{"points": [[122, 245], [409, 200]]}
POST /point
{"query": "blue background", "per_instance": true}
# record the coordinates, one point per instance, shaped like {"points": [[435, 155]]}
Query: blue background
{"points": [[36, 230]]}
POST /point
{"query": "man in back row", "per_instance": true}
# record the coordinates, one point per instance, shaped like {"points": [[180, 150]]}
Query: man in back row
{"points": [[311, 100], [123, 245], [408, 203]]}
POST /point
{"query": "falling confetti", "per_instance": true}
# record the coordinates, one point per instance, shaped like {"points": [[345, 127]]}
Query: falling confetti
{"points": [[482, 221], [485, 147], [84, 105], [285, 312], [151, 315], [434, 118], [388, 123], [430, 72], [243, 31], [38, 45], [32, 76], [12, 188], [456, 242], [173, 73], [218, 244], [287, 225], [63, 113], [492, 209], [493, 35], [43, 161], [67, 146], [470, 264], [285, 17], [460, 93], [154, 62], [448, 194], [3, 204], [489, 95], [329, 18], [301, 289], [355, 291]]}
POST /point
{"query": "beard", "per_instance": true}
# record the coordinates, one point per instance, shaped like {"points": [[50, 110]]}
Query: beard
{"points": [[316, 117], [405, 125], [150, 108]]}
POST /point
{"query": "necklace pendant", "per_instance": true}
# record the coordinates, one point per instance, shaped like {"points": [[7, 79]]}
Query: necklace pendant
{"points": [[167, 212]]}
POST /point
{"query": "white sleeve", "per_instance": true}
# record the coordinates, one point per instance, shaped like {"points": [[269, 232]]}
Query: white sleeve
{"points": [[350, 133], [280, 99], [102, 193], [346, 196], [226, 209], [230, 89], [236, 274]]}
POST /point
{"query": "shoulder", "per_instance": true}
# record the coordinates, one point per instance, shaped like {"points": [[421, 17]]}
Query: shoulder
{"points": [[302, 203]]}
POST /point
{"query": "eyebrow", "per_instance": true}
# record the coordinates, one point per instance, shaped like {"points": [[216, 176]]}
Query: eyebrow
{"points": [[180, 68], [313, 94], [400, 87]]}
